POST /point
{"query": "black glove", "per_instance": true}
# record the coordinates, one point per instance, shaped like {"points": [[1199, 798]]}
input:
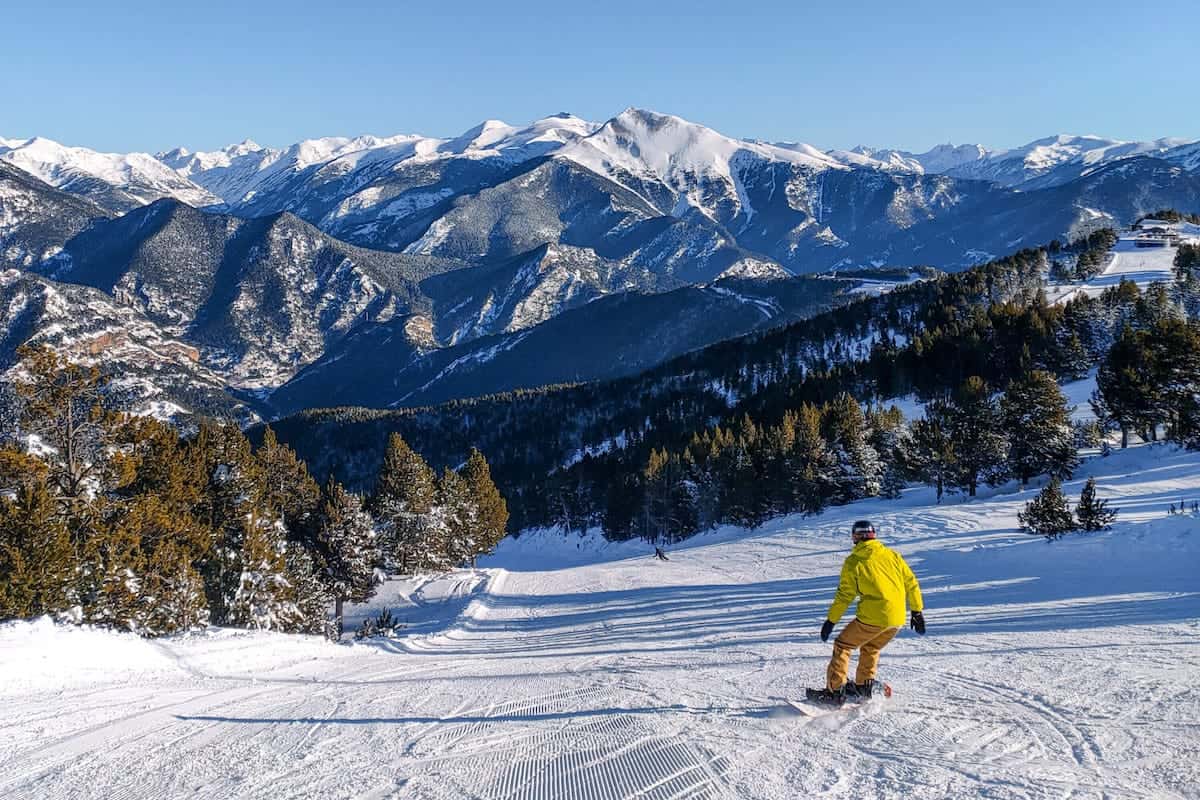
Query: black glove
{"points": [[827, 629], [918, 622]]}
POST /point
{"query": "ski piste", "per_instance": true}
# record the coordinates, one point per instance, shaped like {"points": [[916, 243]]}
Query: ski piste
{"points": [[573, 668]]}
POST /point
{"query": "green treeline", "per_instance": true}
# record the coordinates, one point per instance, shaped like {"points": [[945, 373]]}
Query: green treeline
{"points": [[121, 521]]}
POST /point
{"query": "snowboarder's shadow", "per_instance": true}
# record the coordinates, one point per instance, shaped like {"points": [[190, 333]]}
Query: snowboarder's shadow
{"points": [[782, 710]]}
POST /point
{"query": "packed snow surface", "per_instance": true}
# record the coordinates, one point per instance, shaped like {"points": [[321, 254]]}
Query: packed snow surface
{"points": [[1142, 265], [573, 668]]}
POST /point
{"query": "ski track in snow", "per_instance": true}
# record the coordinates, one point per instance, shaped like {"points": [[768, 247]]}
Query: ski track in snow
{"points": [[1050, 670]]}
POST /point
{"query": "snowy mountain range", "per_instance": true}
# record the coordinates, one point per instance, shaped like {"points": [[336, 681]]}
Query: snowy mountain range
{"points": [[635, 144], [428, 258]]}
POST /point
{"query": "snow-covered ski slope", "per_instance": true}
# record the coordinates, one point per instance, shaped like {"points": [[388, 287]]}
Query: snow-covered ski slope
{"points": [[1065, 669], [1142, 265]]}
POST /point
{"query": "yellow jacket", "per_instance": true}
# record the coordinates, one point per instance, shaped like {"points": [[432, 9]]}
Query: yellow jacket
{"points": [[884, 582]]}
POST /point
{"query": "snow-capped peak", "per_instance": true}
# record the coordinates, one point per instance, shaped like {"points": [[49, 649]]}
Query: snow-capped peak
{"points": [[493, 137], [1031, 161], [648, 145], [642, 141], [138, 177]]}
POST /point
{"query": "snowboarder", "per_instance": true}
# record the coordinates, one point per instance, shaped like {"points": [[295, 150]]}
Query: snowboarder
{"points": [[658, 551], [884, 581]]}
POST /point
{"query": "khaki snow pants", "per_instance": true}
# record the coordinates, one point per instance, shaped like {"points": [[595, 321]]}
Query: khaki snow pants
{"points": [[868, 640]]}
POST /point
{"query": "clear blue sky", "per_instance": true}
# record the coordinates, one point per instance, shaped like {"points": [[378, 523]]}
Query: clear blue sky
{"points": [[148, 76]]}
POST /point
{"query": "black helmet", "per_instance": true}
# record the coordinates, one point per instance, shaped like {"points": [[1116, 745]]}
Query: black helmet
{"points": [[863, 529]]}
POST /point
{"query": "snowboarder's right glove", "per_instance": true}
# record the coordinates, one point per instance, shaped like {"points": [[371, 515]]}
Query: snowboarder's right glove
{"points": [[826, 629], [918, 622]]}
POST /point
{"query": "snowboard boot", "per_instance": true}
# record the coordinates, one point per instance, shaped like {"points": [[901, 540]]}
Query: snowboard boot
{"points": [[826, 697], [872, 688]]}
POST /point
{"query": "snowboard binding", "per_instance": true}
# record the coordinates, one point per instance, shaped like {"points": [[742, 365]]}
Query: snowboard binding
{"points": [[850, 692]]}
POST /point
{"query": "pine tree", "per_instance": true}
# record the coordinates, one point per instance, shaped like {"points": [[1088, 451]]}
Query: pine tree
{"points": [[859, 471], [402, 503], [288, 490], [671, 510], [455, 513], [169, 542], [491, 511], [112, 578], [172, 593], [63, 405], [347, 538], [1127, 385], [233, 493], [305, 573], [1174, 348], [1048, 514], [976, 428], [810, 465], [742, 493], [1038, 423], [699, 472], [933, 457], [264, 598], [886, 428], [38, 567], [1093, 514]]}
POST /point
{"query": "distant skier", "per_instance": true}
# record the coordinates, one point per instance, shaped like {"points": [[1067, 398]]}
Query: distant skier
{"points": [[658, 551], [884, 582]]}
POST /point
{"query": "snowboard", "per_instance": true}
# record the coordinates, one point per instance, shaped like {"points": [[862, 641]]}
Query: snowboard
{"points": [[817, 701]]}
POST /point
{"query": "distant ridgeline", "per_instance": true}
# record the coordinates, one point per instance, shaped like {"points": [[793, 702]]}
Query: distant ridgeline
{"points": [[582, 455]]}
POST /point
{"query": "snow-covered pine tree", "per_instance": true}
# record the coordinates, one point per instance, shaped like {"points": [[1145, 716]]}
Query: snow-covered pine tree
{"points": [[1073, 360], [172, 594], [1048, 514], [1037, 421], [402, 503], [347, 539], [170, 541], [859, 471], [976, 428], [305, 571], [1187, 279], [886, 429], [1105, 421], [1092, 513], [264, 598], [231, 495], [112, 579], [63, 405]]}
